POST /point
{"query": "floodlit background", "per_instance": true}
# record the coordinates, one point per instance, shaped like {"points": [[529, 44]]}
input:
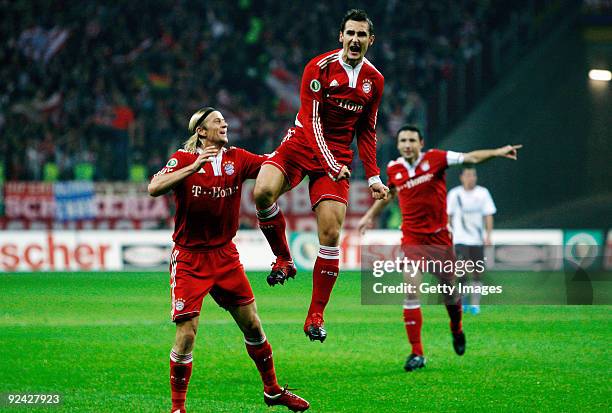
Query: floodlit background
{"points": [[94, 97]]}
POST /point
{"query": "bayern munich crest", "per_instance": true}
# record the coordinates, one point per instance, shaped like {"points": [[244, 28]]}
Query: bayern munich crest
{"points": [[367, 85], [228, 167], [179, 304], [425, 166]]}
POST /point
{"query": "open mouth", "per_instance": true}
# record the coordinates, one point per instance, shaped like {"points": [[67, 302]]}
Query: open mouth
{"points": [[355, 48]]}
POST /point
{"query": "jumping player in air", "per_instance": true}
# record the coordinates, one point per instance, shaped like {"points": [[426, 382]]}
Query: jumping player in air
{"points": [[207, 178], [418, 179], [340, 95]]}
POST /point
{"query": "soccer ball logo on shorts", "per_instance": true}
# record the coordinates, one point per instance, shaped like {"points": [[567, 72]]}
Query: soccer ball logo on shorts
{"points": [[367, 86], [228, 167], [179, 304]]}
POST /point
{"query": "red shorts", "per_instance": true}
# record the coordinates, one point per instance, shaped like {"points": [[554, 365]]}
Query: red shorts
{"points": [[434, 247], [442, 237], [193, 274], [296, 161]]}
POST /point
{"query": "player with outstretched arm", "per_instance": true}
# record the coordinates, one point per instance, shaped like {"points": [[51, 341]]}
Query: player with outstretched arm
{"points": [[418, 179], [207, 178], [340, 95]]}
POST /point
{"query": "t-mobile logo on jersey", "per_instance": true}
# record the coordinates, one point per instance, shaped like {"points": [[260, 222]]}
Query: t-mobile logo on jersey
{"points": [[218, 192], [196, 190], [411, 183], [348, 105]]}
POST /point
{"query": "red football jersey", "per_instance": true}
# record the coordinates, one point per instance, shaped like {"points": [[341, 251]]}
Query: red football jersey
{"points": [[208, 201], [339, 102], [421, 190]]}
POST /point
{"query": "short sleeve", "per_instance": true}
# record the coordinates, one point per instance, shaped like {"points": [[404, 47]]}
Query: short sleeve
{"points": [[390, 182], [489, 206], [251, 163], [438, 159], [177, 161], [451, 202], [454, 158]]}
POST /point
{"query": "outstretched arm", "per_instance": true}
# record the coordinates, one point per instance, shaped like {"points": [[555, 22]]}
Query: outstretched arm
{"points": [[482, 155], [366, 221]]}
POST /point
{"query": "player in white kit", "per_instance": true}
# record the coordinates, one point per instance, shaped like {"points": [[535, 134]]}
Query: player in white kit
{"points": [[470, 209]]}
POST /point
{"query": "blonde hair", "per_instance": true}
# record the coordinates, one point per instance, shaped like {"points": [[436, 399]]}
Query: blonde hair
{"points": [[192, 144]]}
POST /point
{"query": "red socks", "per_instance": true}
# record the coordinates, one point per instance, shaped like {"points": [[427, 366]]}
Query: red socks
{"points": [[324, 276], [272, 224], [181, 366], [180, 372], [413, 321], [261, 353], [455, 313]]}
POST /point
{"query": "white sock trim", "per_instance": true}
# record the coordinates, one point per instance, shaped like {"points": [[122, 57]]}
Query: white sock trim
{"points": [[269, 212], [329, 253], [181, 358], [255, 342], [412, 307]]}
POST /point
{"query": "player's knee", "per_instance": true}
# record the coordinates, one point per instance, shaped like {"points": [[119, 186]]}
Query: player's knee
{"points": [[185, 340], [264, 193], [252, 326], [452, 299], [329, 235], [185, 343]]}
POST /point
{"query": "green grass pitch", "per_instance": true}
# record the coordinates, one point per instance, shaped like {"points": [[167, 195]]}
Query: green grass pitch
{"points": [[102, 341]]}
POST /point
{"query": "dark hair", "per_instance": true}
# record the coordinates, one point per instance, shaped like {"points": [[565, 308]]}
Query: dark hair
{"points": [[468, 167], [409, 127], [359, 16]]}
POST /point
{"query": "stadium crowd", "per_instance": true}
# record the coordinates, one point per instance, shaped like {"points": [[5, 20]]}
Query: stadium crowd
{"points": [[100, 91]]}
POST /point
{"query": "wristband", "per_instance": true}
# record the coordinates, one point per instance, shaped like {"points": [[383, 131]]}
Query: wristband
{"points": [[374, 180]]}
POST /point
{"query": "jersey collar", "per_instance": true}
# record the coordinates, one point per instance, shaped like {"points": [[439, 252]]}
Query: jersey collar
{"points": [[216, 163], [412, 168], [351, 72]]}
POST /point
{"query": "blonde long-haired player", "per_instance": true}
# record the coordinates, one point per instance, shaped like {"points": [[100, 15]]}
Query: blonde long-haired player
{"points": [[206, 178]]}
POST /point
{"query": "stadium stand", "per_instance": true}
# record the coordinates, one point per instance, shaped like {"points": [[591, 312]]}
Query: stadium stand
{"points": [[99, 92]]}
